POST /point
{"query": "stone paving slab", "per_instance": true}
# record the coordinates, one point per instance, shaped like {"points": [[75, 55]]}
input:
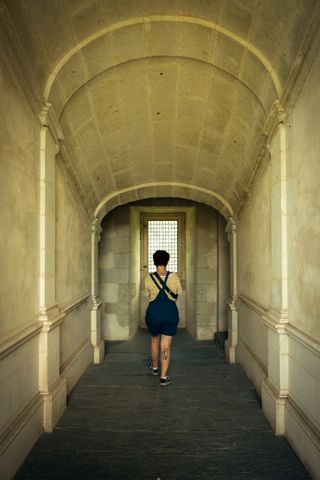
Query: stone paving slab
{"points": [[120, 424]]}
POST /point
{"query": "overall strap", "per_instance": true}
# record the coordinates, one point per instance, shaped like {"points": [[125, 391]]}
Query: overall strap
{"points": [[165, 286], [154, 281]]}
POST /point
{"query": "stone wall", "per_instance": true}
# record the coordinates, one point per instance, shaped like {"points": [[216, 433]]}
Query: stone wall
{"points": [[114, 274], [206, 271]]}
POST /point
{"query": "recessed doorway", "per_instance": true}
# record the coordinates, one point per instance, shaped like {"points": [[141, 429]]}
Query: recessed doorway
{"points": [[163, 231]]}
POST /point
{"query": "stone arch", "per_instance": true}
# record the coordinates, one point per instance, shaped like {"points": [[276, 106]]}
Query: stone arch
{"points": [[162, 189]]}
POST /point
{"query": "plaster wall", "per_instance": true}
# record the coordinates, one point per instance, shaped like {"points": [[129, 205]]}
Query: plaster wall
{"points": [[254, 278], [303, 155], [19, 140], [19, 371], [254, 245], [73, 237], [303, 173]]}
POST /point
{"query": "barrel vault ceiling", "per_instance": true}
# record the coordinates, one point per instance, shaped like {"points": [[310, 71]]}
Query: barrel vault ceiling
{"points": [[176, 92]]}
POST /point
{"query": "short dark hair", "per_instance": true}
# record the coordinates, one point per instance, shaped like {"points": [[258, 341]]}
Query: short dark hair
{"points": [[161, 257]]}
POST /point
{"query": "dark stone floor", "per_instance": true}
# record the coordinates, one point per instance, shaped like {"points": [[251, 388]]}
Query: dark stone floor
{"points": [[120, 424]]}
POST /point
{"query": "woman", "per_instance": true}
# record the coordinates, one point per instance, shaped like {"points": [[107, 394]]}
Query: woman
{"points": [[162, 317]]}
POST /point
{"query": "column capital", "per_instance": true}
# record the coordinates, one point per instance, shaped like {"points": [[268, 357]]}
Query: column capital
{"points": [[277, 118], [49, 120], [96, 228], [280, 112], [231, 228]]}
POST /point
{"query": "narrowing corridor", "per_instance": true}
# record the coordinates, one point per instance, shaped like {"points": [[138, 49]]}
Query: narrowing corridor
{"points": [[120, 424]]}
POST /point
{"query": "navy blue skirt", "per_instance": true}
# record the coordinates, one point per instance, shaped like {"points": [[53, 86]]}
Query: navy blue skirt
{"points": [[162, 316]]}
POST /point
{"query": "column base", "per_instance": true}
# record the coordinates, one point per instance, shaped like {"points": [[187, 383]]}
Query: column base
{"points": [[273, 406], [54, 404], [230, 352], [98, 353]]}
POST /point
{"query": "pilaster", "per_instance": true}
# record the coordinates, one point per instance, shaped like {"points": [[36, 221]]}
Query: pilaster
{"points": [[51, 386], [95, 302], [232, 341], [275, 387]]}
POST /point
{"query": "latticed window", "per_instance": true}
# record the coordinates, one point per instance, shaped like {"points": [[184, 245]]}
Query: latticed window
{"points": [[163, 235]]}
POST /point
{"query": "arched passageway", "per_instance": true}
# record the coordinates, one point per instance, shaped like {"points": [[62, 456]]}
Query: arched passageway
{"points": [[202, 261], [109, 105]]}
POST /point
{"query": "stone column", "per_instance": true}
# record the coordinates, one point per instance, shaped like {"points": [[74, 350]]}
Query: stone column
{"points": [[275, 387], [96, 340], [51, 386], [232, 341]]}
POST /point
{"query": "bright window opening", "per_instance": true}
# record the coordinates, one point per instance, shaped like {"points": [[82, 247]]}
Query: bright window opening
{"points": [[163, 235]]}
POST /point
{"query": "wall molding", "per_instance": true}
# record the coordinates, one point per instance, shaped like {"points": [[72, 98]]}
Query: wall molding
{"points": [[256, 307], [309, 427], [307, 443], [74, 357], [253, 356], [312, 345], [293, 332], [18, 338], [20, 419], [73, 303]]}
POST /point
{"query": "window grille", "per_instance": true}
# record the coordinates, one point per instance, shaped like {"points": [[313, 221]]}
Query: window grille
{"points": [[163, 235]]}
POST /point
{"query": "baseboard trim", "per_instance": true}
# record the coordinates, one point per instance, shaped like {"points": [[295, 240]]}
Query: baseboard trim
{"points": [[254, 368], [73, 303], [248, 302], [20, 436], [303, 437], [303, 339], [76, 364], [17, 339], [74, 357]]}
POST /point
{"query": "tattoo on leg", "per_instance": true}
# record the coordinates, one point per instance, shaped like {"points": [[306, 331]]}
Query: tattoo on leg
{"points": [[165, 354]]}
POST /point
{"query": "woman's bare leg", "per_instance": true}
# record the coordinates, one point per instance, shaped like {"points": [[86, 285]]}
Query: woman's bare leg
{"points": [[165, 347], [155, 351]]}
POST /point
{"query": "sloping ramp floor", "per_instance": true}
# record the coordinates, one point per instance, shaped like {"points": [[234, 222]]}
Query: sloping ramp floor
{"points": [[120, 424]]}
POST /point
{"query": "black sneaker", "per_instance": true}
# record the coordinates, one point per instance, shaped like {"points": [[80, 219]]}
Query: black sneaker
{"points": [[154, 371], [165, 381]]}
